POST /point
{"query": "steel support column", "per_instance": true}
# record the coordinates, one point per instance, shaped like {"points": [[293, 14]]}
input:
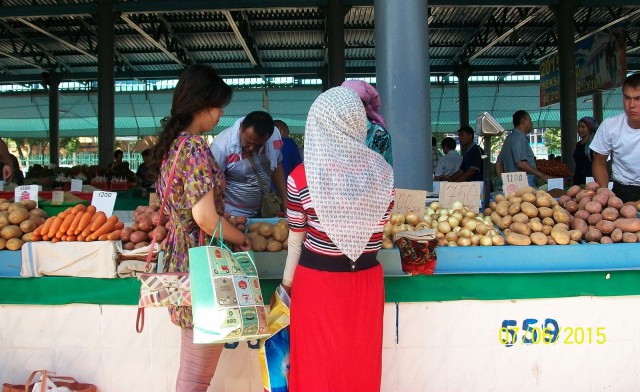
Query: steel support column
{"points": [[335, 42], [52, 82], [566, 59], [463, 93], [106, 90], [402, 73], [596, 101]]}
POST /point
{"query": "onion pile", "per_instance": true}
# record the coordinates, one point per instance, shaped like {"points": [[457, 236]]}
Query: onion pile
{"points": [[455, 226]]}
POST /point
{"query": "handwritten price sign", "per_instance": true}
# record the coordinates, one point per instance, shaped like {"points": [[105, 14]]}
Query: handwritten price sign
{"points": [[469, 193], [408, 200], [511, 182]]}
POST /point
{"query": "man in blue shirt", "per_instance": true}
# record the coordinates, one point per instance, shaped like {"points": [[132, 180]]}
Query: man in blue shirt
{"points": [[290, 151], [516, 153], [472, 168]]}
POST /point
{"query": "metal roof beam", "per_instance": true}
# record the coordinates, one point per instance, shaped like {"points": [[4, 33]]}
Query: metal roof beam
{"points": [[175, 39], [150, 39], [119, 56], [244, 40], [57, 39]]}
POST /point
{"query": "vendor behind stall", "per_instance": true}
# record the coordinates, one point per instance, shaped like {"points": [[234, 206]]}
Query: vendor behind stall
{"points": [[248, 149], [450, 162], [471, 168]]}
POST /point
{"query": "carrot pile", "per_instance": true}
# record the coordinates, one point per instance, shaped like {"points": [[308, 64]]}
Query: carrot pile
{"points": [[79, 223]]}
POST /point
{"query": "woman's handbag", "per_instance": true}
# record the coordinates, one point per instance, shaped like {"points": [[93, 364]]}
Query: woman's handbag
{"points": [[274, 350], [417, 251], [227, 302], [271, 205], [49, 383], [167, 288]]}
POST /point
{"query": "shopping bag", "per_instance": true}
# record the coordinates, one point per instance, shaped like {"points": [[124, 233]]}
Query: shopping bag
{"points": [[274, 350], [226, 298], [417, 251], [50, 383]]}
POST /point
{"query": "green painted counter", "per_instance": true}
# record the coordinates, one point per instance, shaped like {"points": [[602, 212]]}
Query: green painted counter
{"points": [[66, 290]]}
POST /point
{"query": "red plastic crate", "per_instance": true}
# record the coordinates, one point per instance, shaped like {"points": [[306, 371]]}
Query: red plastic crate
{"points": [[104, 186], [119, 186]]}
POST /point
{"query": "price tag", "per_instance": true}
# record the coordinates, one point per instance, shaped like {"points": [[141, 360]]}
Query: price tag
{"points": [[76, 185], [511, 182], [436, 187], [555, 183], [469, 193], [408, 200], [57, 197], [104, 201], [26, 192]]}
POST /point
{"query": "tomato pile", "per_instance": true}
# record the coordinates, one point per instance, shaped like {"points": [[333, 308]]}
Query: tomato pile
{"points": [[553, 168]]}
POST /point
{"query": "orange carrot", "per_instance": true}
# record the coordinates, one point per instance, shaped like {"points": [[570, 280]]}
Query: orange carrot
{"points": [[66, 212], [84, 221], [71, 238], [99, 220], [119, 226], [80, 238], [78, 207], [91, 209], [103, 237], [44, 228], [59, 234], [64, 237], [36, 237], [74, 224], [55, 226], [66, 223], [106, 228], [115, 235], [54, 240]]}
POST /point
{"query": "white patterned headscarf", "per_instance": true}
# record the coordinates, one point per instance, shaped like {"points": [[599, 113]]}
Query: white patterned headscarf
{"points": [[350, 184]]}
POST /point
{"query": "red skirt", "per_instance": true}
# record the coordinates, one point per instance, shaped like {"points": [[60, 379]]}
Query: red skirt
{"points": [[336, 330]]}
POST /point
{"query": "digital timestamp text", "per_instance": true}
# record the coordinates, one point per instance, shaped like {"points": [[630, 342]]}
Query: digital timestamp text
{"points": [[548, 332]]}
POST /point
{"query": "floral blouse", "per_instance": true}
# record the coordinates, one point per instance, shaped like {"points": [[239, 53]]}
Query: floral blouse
{"points": [[196, 174]]}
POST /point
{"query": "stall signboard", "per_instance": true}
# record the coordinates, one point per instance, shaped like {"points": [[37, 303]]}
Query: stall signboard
{"points": [[511, 182], [26, 192], [76, 185], [601, 64], [104, 201], [57, 198], [469, 193], [555, 183], [409, 200]]}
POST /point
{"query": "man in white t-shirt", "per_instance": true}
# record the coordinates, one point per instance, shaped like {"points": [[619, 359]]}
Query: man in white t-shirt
{"points": [[450, 163], [619, 137]]}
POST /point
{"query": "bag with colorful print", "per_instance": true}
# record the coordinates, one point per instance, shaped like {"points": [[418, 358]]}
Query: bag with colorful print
{"points": [[226, 298], [417, 251]]}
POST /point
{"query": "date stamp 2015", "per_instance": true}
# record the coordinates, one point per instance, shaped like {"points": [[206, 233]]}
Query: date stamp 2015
{"points": [[548, 332]]}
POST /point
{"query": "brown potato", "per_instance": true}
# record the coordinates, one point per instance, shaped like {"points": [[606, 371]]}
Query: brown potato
{"points": [[548, 222], [593, 207], [10, 231], [498, 198], [593, 235], [562, 200], [29, 204], [601, 198], [505, 222], [140, 245], [571, 206], [129, 245], [518, 239], [514, 209], [138, 236], [14, 244], [543, 201], [573, 191], [582, 214], [545, 212], [259, 243], [616, 235], [610, 214], [529, 198], [560, 215], [627, 225], [615, 202], [535, 225], [576, 235], [266, 230], [629, 237], [503, 208], [18, 215], [606, 240], [520, 217], [3, 243], [529, 209], [274, 246], [280, 232], [551, 241], [255, 226], [526, 189], [560, 235], [125, 234], [520, 228], [580, 225], [628, 211], [583, 203], [594, 219], [497, 240], [28, 226], [538, 238]]}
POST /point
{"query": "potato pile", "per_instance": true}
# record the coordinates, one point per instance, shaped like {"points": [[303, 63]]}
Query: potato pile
{"points": [[265, 236], [147, 220], [455, 226], [600, 216], [79, 223], [532, 217], [17, 223]]}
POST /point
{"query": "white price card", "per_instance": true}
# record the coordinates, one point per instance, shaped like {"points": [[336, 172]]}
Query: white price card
{"points": [[76, 185], [57, 198], [409, 200], [104, 201], [26, 192], [436, 187], [469, 193], [511, 182], [555, 183]]}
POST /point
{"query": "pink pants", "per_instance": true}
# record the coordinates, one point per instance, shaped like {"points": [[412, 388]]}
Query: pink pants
{"points": [[198, 363]]}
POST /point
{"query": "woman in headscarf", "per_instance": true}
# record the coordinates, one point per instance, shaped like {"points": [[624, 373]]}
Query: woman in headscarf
{"points": [[338, 202], [378, 139], [587, 127]]}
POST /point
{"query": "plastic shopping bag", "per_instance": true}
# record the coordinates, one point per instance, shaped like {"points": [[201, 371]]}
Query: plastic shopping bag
{"points": [[226, 298], [274, 350]]}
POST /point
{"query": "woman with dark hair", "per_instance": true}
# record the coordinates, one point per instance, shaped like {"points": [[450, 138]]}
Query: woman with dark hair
{"points": [[194, 204], [583, 156]]}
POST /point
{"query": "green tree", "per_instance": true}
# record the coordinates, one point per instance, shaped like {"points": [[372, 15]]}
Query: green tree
{"points": [[551, 137], [70, 145]]}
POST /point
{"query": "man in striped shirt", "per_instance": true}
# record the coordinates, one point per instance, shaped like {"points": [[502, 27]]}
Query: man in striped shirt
{"points": [[251, 147]]}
